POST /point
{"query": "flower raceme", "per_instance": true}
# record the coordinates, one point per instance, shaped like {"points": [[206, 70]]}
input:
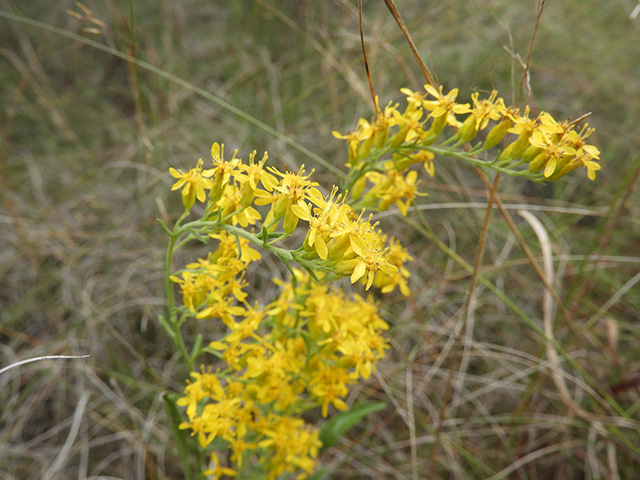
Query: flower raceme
{"points": [[337, 239], [547, 146]]}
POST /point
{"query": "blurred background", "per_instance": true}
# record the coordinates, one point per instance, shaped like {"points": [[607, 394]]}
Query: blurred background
{"points": [[86, 140]]}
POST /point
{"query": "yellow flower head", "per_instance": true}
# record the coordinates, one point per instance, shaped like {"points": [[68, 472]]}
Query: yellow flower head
{"points": [[223, 169], [444, 105], [193, 183], [293, 189], [491, 108], [252, 174], [371, 260]]}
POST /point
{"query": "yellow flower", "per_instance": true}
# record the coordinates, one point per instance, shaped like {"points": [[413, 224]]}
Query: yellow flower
{"points": [[391, 187], [255, 172], [221, 308], [371, 260], [484, 110], [363, 351], [497, 133], [398, 256], [444, 106], [231, 204], [195, 181], [192, 293], [293, 189], [329, 384], [363, 133], [250, 175], [219, 471], [523, 127], [551, 152], [383, 122], [328, 213], [592, 167], [228, 248], [414, 100], [582, 159], [244, 329], [293, 443], [318, 227], [550, 126], [411, 128], [223, 170]]}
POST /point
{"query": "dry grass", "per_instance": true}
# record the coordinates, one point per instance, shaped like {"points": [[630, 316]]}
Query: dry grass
{"points": [[474, 390]]}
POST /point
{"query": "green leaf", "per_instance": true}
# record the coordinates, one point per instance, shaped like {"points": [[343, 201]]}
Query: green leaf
{"points": [[312, 273], [164, 226], [167, 326], [342, 422], [238, 245], [265, 235], [197, 348], [319, 475], [286, 264], [198, 236]]}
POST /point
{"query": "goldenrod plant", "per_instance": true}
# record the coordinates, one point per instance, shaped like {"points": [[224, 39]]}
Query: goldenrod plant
{"points": [[436, 286], [306, 348], [303, 350]]}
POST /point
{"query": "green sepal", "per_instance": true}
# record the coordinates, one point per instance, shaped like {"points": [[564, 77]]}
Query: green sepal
{"points": [[344, 421]]}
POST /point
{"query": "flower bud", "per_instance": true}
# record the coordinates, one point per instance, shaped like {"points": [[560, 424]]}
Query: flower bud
{"points": [[497, 133], [468, 130], [538, 163]]}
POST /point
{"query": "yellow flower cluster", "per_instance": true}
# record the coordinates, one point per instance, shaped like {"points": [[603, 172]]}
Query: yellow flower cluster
{"points": [[306, 348], [554, 148], [338, 240], [216, 282], [300, 352]]}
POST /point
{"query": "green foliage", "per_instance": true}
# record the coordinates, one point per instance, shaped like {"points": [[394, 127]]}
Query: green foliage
{"points": [[340, 423]]}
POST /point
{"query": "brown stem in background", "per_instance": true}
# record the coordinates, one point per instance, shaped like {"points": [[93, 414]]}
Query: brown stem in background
{"points": [[455, 351], [527, 61], [423, 67], [366, 61]]}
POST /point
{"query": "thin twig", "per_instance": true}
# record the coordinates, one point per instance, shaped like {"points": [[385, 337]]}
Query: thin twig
{"points": [[456, 348], [527, 62], [366, 60], [423, 67]]}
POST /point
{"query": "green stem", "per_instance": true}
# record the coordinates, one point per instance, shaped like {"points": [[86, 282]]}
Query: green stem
{"points": [[168, 261], [172, 311], [481, 163], [183, 348]]}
